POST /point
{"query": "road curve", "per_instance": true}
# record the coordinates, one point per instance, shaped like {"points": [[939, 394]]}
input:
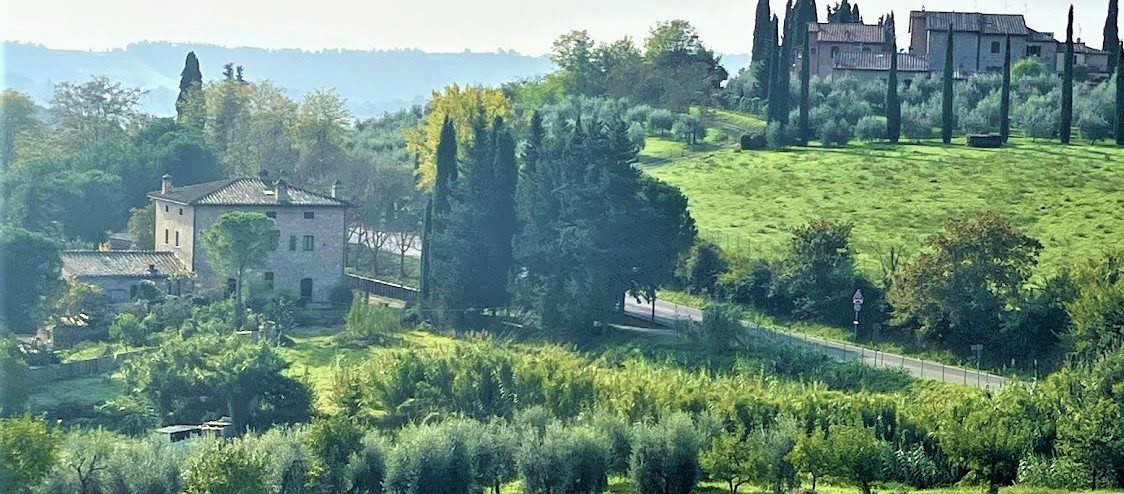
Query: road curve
{"points": [[674, 315]]}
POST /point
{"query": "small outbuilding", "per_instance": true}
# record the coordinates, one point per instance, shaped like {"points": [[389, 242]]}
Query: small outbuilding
{"points": [[121, 273]]}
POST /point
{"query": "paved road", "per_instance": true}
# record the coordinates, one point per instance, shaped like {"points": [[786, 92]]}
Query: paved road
{"points": [[674, 315]]}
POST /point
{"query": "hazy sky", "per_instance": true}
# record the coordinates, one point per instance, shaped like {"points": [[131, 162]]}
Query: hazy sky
{"points": [[527, 26]]}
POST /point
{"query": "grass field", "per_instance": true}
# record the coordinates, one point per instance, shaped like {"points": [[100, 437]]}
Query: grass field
{"points": [[1071, 198]]}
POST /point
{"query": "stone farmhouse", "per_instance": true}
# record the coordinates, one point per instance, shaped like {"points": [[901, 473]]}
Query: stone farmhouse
{"points": [[308, 262], [862, 50]]}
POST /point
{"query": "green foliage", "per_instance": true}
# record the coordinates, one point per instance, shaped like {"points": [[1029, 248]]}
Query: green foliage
{"points": [[237, 242], [971, 274], [572, 460], [835, 133], [332, 442], [431, 459], [130, 329], [31, 266], [204, 376], [818, 274], [1097, 312], [228, 468], [721, 327], [367, 324], [28, 449], [701, 267], [665, 456], [13, 379], [859, 456], [871, 128]]}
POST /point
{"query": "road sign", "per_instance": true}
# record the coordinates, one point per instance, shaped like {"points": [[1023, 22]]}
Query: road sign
{"points": [[858, 298]]}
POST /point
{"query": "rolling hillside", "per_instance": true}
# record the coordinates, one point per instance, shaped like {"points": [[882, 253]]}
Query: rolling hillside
{"points": [[1071, 198]]}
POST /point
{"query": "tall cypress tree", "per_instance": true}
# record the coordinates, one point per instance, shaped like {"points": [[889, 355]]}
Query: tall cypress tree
{"points": [[503, 215], [1065, 125], [423, 270], [946, 93], [436, 215], [893, 104], [1112, 34], [1005, 96], [191, 80], [772, 111], [784, 74], [805, 89], [446, 158], [1120, 95], [761, 55]]}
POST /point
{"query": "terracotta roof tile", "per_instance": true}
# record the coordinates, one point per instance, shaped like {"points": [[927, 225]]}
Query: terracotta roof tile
{"points": [[975, 22], [848, 32], [880, 61], [131, 263], [243, 192]]}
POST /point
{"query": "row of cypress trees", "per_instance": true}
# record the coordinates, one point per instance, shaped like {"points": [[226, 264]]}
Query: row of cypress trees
{"points": [[776, 74]]}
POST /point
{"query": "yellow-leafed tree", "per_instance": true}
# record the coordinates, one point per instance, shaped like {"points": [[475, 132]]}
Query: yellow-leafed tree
{"points": [[462, 106]]}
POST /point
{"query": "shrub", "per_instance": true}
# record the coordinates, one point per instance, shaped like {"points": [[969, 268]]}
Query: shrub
{"points": [[871, 128], [665, 456], [752, 141], [565, 459], [13, 382], [917, 122], [367, 324], [689, 128], [661, 120], [129, 329], [366, 468], [776, 136], [220, 467], [835, 133], [701, 267], [430, 458], [721, 326], [1093, 127]]}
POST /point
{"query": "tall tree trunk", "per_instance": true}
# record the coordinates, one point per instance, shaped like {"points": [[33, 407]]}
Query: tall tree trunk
{"points": [[1065, 127], [1005, 99], [946, 93]]}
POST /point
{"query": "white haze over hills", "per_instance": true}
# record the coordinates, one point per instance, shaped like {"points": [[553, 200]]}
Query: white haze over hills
{"points": [[372, 82]]}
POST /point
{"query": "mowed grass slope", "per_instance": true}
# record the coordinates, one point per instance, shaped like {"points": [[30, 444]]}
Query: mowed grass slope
{"points": [[1071, 198]]}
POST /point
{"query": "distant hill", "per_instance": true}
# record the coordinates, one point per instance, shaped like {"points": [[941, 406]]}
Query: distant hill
{"points": [[372, 81]]}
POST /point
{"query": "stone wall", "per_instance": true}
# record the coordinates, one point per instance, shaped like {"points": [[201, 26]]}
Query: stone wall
{"points": [[323, 264], [173, 219]]}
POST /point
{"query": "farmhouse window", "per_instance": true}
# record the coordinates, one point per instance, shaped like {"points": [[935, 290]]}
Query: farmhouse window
{"points": [[309, 242]]}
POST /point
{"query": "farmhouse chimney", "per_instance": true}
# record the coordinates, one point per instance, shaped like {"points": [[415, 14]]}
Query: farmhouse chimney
{"points": [[337, 189], [166, 184], [281, 191]]}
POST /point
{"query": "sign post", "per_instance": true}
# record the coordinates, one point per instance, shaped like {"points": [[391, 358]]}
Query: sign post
{"points": [[857, 299]]}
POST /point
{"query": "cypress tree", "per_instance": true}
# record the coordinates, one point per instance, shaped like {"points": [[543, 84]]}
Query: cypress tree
{"points": [[761, 55], [784, 74], [191, 80], [946, 93], [1120, 95], [1005, 96], [893, 104], [446, 158], [772, 111], [503, 212], [1112, 34], [1065, 126], [423, 275], [805, 83]]}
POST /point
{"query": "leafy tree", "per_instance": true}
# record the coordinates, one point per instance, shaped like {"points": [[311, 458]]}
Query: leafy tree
{"points": [[702, 266], [573, 53], [860, 456], [946, 92], [494, 452], [333, 442], [366, 468], [721, 326], [28, 450], [239, 241], [664, 213], [91, 112], [461, 106], [228, 468], [986, 436], [31, 267], [872, 128], [1065, 126], [665, 456], [127, 327], [816, 454], [186, 380], [729, 459], [13, 378], [1097, 312], [970, 273], [19, 122], [565, 459], [917, 122], [142, 226], [319, 135], [819, 273], [430, 460]]}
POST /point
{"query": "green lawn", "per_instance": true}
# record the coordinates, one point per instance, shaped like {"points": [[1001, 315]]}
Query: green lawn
{"points": [[1071, 198]]}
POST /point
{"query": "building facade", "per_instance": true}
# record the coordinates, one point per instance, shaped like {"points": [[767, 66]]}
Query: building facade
{"points": [[309, 259], [830, 42]]}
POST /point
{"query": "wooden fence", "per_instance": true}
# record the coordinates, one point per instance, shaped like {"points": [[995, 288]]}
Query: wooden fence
{"points": [[78, 368], [382, 288]]}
